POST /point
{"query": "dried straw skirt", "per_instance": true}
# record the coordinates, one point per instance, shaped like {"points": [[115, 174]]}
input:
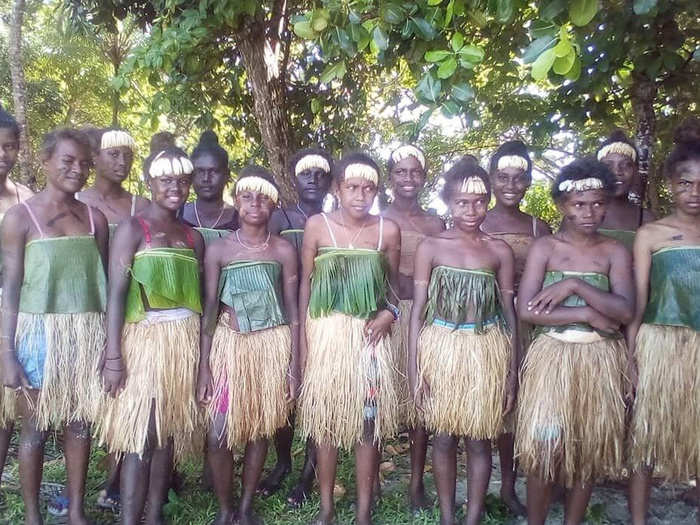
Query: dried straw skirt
{"points": [[70, 347], [346, 382], [8, 404], [665, 429], [161, 359], [466, 376], [409, 417], [571, 410], [250, 380]]}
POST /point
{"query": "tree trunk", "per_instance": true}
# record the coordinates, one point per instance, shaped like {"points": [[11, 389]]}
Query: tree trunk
{"points": [[116, 99], [269, 101], [19, 93], [643, 94]]}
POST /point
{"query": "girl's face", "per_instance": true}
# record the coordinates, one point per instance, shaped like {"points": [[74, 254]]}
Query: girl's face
{"points": [[685, 186], [625, 171], [584, 210], [254, 208], [407, 178], [9, 148], [356, 196], [468, 210], [209, 177], [68, 167], [313, 185], [114, 164], [509, 186], [170, 191]]}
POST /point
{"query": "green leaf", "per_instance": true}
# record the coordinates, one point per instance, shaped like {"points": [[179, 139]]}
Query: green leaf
{"points": [[471, 54], [575, 71], [424, 28], [393, 14], [462, 92], [437, 55], [447, 68], [563, 48], [449, 12], [345, 42], [642, 7], [434, 2], [536, 48], [333, 71], [553, 9], [582, 12], [457, 41], [450, 108], [354, 17], [429, 88], [315, 106], [696, 54], [504, 10], [479, 17], [304, 30], [540, 28], [543, 64], [381, 39], [319, 19], [562, 65], [423, 120]]}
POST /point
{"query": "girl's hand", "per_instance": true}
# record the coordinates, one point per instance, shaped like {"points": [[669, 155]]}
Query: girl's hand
{"points": [[293, 385], [602, 323], [113, 376], [421, 394], [379, 326], [551, 296], [13, 375], [204, 385], [511, 393]]}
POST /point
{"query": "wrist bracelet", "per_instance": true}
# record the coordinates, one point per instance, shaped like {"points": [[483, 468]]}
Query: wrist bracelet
{"points": [[394, 310]]}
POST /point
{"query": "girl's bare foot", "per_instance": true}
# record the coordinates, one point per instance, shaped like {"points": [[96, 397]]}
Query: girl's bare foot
{"points": [[225, 518], [298, 495], [274, 479], [324, 518], [418, 499], [510, 498]]}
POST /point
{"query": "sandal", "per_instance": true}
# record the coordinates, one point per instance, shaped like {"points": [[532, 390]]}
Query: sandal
{"points": [[58, 506]]}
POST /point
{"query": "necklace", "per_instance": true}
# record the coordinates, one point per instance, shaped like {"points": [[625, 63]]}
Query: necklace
{"points": [[306, 217], [258, 248], [199, 222], [350, 244]]}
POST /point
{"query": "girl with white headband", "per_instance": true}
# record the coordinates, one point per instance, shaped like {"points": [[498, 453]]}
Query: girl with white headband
{"points": [[462, 362], [311, 169], [248, 370], [577, 291], [112, 156], [623, 217], [348, 305], [150, 365], [407, 177], [510, 173]]}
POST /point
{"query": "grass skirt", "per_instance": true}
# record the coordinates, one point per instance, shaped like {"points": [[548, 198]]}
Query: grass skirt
{"points": [[346, 382], [250, 380], [60, 353], [466, 376], [571, 410], [161, 360], [8, 403], [408, 415], [665, 429]]}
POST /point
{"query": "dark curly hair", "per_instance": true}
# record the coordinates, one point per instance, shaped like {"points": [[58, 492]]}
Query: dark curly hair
{"points": [[352, 158], [687, 140], [620, 136], [586, 168], [298, 155], [7, 121], [209, 144], [465, 167], [52, 139], [512, 147]]}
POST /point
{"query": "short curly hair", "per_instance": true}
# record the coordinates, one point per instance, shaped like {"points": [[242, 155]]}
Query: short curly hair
{"points": [[512, 147], [687, 140], [586, 168], [7, 121], [52, 139], [465, 167]]}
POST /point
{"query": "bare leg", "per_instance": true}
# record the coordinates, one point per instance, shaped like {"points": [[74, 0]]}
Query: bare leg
{"points": [[31, 461], [577, 499], [478, 475], [506, 444], [115, 470], [327, 462], [159, 483], [283, 448], [640, 487], [445, 474], [255, 453], [76, 448], [366, 468], [5, 435], [539, 493], [299, 494], [220, 460], [418, 439]]}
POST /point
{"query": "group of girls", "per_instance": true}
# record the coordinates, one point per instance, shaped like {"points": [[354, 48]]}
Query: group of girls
{"points": [[152, 324]]}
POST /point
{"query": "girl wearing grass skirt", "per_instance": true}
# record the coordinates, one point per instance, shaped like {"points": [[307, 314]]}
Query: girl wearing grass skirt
{"points": [[407, 172], [664, 338], [348, 396], [248, 371], [510, 173], [577, 290], [152, 350], [462, 363], [53, 252]]}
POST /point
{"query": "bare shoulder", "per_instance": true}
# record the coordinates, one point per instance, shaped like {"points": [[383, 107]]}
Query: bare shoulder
{"points": [[499, 246], [283, 246], [391, 229], [99, 217], [434, 222], [141, 203], [16, 219]]}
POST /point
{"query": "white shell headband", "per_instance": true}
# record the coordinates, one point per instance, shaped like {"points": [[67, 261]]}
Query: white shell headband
{"points": [[512, 161], [617, 147], [308, 162], [406, 151], [590, 183], [474, 185], [117, 138], [164, 166], [258, 184], [361, 171]]}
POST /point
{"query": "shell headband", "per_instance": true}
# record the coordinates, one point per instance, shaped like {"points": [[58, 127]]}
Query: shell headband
{"points": [[617, 147], [308, 162], [474, 185], [117, 138], [404, 152], [164, 166], [590, 183], [258, 184], [362, 171], [512, 161]]}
